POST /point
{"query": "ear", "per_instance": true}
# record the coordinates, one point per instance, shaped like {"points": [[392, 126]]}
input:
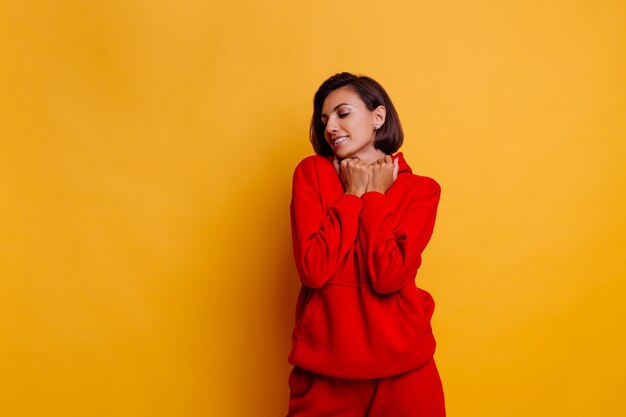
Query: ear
{"points": [[379, 114]]}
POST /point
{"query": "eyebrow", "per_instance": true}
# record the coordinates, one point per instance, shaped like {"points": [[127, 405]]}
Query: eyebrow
{"points": [[336, 107]]}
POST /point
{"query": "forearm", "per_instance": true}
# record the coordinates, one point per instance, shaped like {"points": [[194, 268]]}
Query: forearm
{"points": [[393, 245], [322, 240]]}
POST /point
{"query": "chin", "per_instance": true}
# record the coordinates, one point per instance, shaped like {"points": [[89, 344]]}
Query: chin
{"points": [[341, 154]]}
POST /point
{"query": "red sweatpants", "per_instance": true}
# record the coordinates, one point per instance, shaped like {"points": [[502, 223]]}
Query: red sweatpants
{"points": [[417, 393]]}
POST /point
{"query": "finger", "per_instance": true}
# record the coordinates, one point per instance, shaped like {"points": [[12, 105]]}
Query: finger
{"points": [[388, 159], [396, 168]]}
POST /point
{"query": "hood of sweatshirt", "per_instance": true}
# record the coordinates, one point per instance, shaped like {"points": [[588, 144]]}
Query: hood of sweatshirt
{"points": [[402, 165]]}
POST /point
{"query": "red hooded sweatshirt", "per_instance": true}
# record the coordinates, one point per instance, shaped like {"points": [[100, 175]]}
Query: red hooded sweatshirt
{"points": [[359, 314]]}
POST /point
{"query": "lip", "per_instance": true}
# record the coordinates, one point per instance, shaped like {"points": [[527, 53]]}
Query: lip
{"points": [[338, 140]]}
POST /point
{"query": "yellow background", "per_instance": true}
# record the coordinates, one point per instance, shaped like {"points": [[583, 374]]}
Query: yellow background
{"points": [[146, 153]]}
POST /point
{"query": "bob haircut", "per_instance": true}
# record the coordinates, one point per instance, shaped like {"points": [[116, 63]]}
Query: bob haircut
{"points": [[388, 138]]}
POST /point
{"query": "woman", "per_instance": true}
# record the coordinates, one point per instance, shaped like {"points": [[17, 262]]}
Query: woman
{"points": [[360, 219]]}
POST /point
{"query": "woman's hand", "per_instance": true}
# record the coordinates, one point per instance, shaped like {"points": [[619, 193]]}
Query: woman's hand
{"points": [[382, 174], [354, 176]]}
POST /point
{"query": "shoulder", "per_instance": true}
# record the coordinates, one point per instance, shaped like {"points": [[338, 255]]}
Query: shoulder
{"points": [[427, 183], [312, 164], [310, 168], [419, 186]]}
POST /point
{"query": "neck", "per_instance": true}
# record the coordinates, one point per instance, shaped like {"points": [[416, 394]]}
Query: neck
{"points": [[370, 156]]}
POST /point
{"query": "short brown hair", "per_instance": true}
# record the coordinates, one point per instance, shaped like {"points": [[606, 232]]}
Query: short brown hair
{"points": [[388, 138]]}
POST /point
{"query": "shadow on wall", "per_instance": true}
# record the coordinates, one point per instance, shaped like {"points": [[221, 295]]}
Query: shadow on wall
{"points": [[265, 369]]}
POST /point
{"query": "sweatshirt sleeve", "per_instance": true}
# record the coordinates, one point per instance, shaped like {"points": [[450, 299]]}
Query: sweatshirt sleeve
{"points": [[393, 245], [321, 238]]}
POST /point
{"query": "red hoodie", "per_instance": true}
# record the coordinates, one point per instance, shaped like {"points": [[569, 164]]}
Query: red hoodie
{"points": [[359, 314]]}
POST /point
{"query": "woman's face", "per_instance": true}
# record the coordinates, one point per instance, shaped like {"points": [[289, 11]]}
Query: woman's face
{"points": [[350, 124]]}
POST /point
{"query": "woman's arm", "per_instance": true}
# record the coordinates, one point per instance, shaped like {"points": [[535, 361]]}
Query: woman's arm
{"points": [[393, 245], [321, 238]]}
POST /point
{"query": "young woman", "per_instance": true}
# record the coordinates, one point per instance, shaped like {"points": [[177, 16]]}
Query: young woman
{"points": [[360, 219]]}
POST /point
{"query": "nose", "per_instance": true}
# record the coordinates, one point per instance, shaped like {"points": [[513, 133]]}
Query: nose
{"points": [[331, 126]]}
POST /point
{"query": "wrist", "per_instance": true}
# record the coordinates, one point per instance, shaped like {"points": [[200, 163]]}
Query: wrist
{"points": [[376, 190]]}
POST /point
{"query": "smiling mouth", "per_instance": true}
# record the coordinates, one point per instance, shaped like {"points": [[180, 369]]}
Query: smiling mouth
{"points": [[339, 140]]}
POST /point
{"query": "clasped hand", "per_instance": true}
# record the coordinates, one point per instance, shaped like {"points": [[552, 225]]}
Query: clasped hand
{"points": [[358, 178]]}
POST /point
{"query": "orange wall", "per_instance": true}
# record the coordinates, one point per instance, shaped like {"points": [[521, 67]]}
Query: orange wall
{"points": [[146, 152]]}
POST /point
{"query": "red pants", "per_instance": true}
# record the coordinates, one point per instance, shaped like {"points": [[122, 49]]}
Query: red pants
{"points": [[417, 393]]}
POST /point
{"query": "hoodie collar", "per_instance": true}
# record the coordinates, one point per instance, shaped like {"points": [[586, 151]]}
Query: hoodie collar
{"points": [[402, 165]]}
